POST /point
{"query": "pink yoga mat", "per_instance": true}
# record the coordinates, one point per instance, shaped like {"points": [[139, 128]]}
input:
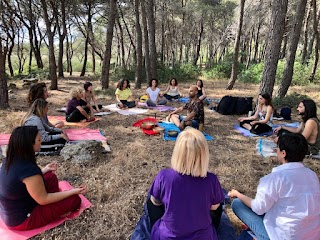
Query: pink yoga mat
{"points": [[4, 139], [84, 134], [7, 234]]}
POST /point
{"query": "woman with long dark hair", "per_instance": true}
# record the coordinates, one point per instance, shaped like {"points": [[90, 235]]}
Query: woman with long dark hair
{"points": [[264, 115], [309, 127], [30, 196]]}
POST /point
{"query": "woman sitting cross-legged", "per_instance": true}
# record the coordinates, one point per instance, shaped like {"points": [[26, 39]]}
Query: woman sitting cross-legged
{"points": [[172, 92], [30, 196], [77, 108], [263, 113], [90, 97], [188, 193], [51, 137], [124, 95], [154, 96]]}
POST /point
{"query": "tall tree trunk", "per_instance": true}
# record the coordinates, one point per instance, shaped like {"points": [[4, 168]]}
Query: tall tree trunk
{"points": [[52, 59], [107, 54], [285, 39], [256, 43], [316, 36], [146, 40], [198, 47], [234, 71], [4, 99], [138, 77], [152, 38], [62, 36], [85, 60], [278, 15], [86, 46], [293, 44], [163, 20], [9, 59], [305, 34], [121, 42]]}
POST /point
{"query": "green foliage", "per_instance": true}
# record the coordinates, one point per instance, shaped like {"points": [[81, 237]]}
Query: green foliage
{"points": [[300, 73], [222, 70], [252, 74], [35, 73], [291, 100], [186, 72], [122, 73]]}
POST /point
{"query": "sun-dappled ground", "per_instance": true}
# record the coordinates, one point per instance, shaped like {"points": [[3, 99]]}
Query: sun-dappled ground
{"points": [[118, 184]]}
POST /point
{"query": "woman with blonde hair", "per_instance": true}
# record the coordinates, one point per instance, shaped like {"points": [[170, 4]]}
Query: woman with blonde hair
{"points": [[187, 191], [52, 138], [78, 109]]}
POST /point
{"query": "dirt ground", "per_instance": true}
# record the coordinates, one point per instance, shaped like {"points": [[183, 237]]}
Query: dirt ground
{"points": [[118, 184]]}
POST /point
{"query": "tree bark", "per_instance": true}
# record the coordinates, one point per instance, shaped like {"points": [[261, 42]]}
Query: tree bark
{"points": [[292, 49], [316, 36], [146, 40], [198, 47], [107, 54], [305, 34], [62, 36], [152, 38], [278, 14], [4, 99], [122, 50], [256, 42], [234, 71], [138, 77], [86, 45], [52, 58]]}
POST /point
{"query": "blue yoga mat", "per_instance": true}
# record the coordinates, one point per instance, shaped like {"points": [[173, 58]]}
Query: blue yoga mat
{"points": [[247, 133], [170, 126]]}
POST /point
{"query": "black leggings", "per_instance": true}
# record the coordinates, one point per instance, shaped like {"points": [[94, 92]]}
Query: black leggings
{"points": [[169, 97], [156, 212], [129, 104], [53, 145], [258, 128], [76, 115]]}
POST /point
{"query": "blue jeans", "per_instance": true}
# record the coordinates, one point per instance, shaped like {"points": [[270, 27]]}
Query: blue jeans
{"points": [[251, 219], [194, 123]]}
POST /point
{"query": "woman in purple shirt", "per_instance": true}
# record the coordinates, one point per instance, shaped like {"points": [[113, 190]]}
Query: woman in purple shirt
{"points": [[187, 191]]}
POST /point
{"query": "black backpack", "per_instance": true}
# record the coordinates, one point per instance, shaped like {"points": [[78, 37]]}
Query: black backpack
{"points": [[229, 105]]}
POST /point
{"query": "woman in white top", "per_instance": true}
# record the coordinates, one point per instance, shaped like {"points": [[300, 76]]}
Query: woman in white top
{"points": [[154, 96], [263, 113], [172, 91]]}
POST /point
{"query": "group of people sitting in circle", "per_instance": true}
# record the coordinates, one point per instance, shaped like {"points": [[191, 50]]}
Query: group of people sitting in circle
{"points": [[185, 201]]}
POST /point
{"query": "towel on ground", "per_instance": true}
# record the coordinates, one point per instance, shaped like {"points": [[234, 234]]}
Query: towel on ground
{"points": [[161, 108], [84, 134], [7, 234], [128, 111]]}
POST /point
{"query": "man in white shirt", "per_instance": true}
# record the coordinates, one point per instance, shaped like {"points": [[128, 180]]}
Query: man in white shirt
{"points": [[287, 203]]}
